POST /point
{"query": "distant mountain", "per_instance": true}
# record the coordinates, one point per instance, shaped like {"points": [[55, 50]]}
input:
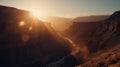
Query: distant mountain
{"points": [[59, 23], [91, 18], [25, 40]]}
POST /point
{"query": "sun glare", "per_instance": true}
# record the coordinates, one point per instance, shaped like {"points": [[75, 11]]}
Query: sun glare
{"points": [[36, 13]]}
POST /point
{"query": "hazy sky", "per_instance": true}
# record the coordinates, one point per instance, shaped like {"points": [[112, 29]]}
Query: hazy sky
{"points": [[66, 8]]}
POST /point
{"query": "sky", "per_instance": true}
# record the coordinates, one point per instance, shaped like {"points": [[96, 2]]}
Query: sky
{"points": [[66, 8]]}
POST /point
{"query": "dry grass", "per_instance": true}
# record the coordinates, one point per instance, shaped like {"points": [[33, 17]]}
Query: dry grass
{"points": [[110, 58]]}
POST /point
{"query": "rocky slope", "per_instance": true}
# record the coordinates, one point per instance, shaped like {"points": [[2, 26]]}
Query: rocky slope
{"points": [[25, 40]]}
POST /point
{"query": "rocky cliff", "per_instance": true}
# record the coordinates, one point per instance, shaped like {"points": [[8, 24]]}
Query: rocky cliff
{"points": [[96, 35], [102, 38], [108, 33]]}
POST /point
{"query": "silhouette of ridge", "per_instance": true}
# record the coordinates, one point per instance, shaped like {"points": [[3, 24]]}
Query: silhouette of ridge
{"points": [[115, 15]]}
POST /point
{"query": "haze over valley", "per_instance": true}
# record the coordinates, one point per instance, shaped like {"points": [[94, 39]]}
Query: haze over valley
{"points": [[59, 33]]}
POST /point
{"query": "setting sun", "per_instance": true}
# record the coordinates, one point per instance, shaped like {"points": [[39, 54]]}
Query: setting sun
{"points": [[36, 13]]}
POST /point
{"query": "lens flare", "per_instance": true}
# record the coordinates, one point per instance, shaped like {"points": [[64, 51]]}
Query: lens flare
{"points": [[21, 24]]}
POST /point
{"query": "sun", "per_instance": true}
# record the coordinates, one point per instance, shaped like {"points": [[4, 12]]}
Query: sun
{"points": [[36, 13]]}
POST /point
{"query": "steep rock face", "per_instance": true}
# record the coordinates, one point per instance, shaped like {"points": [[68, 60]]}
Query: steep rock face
{"points": [[26, 40], [81, 30]]}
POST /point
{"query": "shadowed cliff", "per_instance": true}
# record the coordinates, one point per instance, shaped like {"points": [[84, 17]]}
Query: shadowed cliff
{"points": [[25, 40]]}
